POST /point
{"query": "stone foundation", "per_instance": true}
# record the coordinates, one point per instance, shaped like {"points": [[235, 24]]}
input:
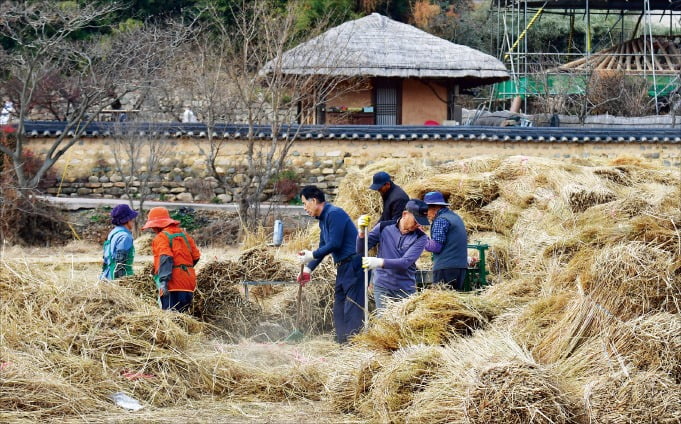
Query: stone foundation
{"points": [[87, 170]]}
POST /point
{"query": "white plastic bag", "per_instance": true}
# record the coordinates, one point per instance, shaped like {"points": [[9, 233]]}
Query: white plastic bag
{"points": [[124, 401]]}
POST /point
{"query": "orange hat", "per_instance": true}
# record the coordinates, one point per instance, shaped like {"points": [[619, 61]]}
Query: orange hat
{"points": [[159, 218]]}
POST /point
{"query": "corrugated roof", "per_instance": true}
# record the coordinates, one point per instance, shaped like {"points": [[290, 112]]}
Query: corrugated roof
{"points": [[381, 47]]}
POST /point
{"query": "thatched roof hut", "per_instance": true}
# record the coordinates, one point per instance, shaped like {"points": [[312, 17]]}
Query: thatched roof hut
{"points": [[378, 46], [409, 76]]}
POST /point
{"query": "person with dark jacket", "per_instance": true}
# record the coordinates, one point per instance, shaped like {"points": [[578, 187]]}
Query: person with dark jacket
{"points": [[175, 255], [119, 251], [394, 198], [337, 238], [400, 244], [448, 242]]}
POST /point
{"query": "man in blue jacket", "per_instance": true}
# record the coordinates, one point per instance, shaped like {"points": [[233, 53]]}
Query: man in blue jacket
{"points": [[337, 237], [448, 242], [400, 243]]}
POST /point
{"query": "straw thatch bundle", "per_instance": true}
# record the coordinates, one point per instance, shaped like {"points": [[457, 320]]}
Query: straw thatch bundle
{"points": [[538, 317], [482, 163], [28, 390], [226, 376], [428, 317], [631, 279], [393, 387], [512, 292], [516, 392], [463, 191], [642, 397], [501, 215], [351, 375], [142, 243], [489, 378], [581, 196], [647, 344], [141, 284]]}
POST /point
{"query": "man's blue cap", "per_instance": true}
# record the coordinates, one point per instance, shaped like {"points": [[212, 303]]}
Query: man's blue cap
{"points": [[419, 209], [435, 198], [380, 178]]}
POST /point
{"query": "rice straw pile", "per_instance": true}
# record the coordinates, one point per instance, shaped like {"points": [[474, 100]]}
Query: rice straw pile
{"points": [[489, 378], [393, 387], [429, 317], [351, 375], [643, 397]]}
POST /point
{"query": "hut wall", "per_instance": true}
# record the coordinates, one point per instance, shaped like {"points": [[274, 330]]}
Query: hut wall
{"points": [[87, 169], [355, 99], [421, 104]]}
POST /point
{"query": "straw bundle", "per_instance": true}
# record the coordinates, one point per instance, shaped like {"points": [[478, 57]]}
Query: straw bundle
{"points": [[648, 344], [501, 215], [582, 319], [350, 377], [639, 275], [482, 163], [644, 397], [511, 292], [580, 197], [142, 243], [537, 318], [141, 284], [393, 387], [428, 317], [30, 391], [516, 392], [226, 376], [489, 378], [468, 192]]}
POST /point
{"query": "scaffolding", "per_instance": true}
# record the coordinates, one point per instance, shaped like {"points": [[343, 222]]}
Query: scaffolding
{"points": [[655, 57]]}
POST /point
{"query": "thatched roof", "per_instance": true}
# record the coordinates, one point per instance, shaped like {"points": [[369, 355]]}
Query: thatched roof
{"points": [[380, 47], [634, 56]]}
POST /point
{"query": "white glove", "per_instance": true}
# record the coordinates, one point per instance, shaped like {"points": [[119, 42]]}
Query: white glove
{"points": [[305, 257], [371, 262], [363, 221]]}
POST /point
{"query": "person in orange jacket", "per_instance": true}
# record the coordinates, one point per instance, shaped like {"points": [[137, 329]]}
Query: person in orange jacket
{"points": [[175, 254]]}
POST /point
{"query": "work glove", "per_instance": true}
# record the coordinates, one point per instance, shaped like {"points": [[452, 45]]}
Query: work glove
{"points": [[304, 276], [363, 221], [472, 261], [305, 257], [163, 289], [371, 262]]}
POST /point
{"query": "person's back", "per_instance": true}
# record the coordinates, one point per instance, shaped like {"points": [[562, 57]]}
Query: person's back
{"points": [[454, 253], [175, 255], [175, 242], [118, 249]]}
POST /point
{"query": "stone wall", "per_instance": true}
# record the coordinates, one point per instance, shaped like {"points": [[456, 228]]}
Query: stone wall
{"points": [[87, 169]]}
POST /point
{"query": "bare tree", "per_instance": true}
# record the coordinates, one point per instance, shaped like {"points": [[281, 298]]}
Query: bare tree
{"points": [[237, 73], [137, 158], [72, 79]]}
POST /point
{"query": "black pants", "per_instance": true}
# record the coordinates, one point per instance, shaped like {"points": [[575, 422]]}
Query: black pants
{"points": [[452, 277], [348, 305], [179, 301]]}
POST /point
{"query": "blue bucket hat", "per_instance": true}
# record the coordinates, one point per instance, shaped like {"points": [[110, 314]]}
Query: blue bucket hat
{"points": [[380, 178], [435, 198], [122, 214]]}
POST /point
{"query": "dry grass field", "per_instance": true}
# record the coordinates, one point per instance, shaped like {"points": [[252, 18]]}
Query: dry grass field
{"points": [[581, 324]]}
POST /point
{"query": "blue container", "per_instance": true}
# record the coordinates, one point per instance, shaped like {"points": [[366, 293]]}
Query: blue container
{"points": [[278, 235]]}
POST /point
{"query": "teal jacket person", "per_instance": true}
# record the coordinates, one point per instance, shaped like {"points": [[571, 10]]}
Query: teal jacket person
{"points": [[119, 251]]}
